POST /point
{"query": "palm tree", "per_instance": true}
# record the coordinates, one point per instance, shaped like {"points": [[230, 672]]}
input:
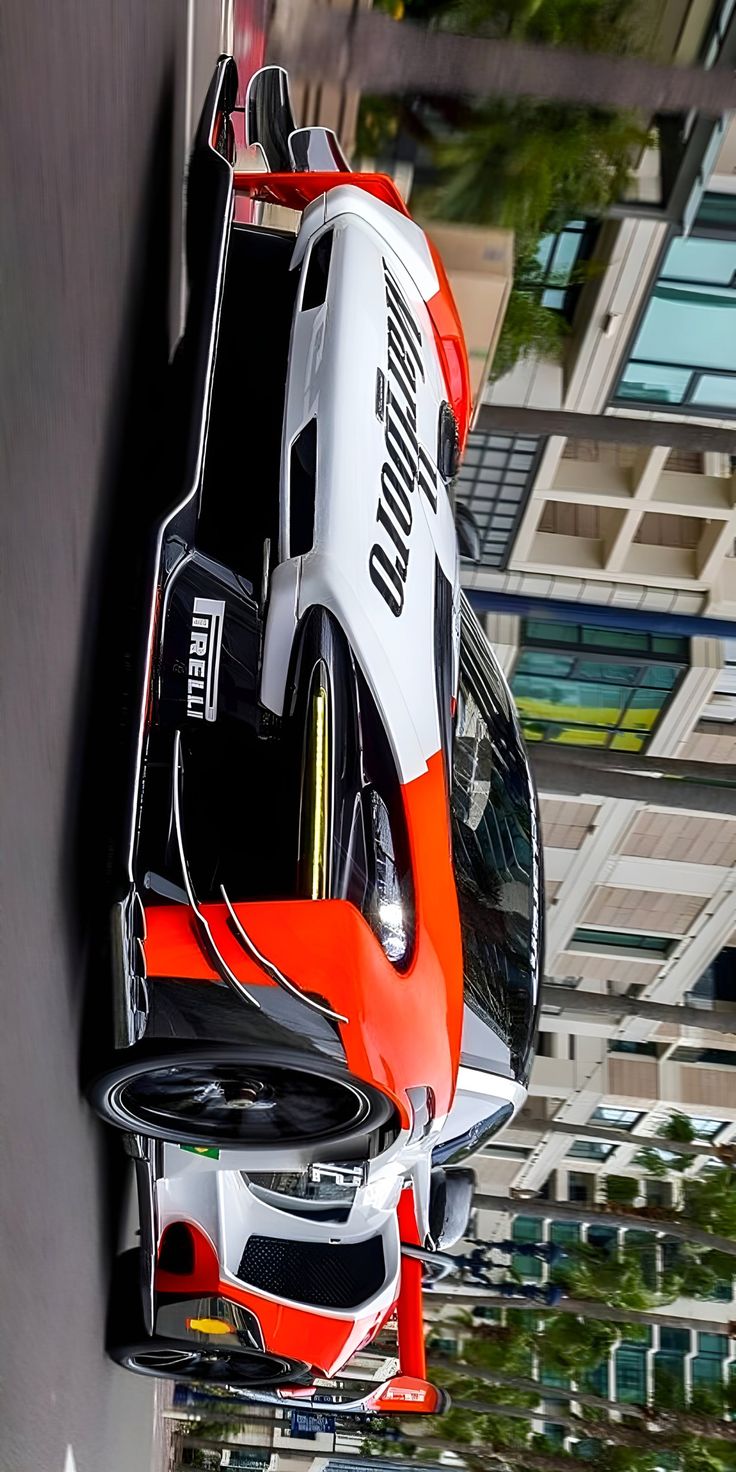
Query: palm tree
{"points": [[599, 1004], [582, 1308], [659, 1434], [654, 1219], [368, 50], [691, 1421], [610, 428]]}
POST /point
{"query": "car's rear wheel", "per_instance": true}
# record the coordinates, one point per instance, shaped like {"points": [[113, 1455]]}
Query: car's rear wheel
{"points": [[225, 1098], [179, 1359]]}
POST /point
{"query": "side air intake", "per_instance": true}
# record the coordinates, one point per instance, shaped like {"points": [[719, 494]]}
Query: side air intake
{"points": [[319, 1274]]}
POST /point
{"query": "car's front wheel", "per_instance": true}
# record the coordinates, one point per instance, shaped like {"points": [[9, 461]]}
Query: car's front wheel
{"points": [[220, 1097]]}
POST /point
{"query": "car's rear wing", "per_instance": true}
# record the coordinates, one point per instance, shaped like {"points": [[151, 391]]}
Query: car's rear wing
{"points": [[290, 179]]}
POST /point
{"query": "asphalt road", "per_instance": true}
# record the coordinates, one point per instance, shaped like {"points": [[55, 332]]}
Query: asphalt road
{"points": [[92, 146]]}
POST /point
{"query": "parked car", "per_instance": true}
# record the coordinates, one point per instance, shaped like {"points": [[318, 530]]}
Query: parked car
{"points": [[326, 932]]}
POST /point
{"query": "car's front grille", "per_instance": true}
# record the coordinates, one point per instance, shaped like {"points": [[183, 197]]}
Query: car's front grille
{"points": [[320, 1274]]}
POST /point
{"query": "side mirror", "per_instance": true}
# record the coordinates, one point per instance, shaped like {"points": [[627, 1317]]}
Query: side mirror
{"points": [[468, 533], [317, 150], [450, 1205]]}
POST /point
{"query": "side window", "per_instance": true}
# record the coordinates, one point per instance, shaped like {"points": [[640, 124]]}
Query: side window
{"points": [[497, 858]]}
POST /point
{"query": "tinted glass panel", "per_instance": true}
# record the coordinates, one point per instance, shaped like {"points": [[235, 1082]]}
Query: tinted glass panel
{"points": [[497, 853], [654, 383], [718, 211], [698, 259], [715, 389]]}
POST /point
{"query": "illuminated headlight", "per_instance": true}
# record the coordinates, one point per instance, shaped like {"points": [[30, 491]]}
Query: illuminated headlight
{"points": [[389, 913], [391, 930]]}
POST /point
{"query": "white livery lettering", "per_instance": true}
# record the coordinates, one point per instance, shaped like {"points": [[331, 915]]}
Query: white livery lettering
{"points": [[407, 465], [205, 647]]}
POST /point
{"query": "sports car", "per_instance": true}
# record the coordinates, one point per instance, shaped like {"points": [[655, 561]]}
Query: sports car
{"points": [[326, 935]]}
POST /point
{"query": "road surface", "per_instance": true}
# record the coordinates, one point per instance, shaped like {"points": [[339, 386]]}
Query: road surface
{"points": [[94, 114]]}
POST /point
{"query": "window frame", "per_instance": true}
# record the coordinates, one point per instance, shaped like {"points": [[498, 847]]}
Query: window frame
{"points": [[687, 406]]}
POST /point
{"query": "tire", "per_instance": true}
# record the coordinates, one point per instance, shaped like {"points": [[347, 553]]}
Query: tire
{"points": [[225, 1098], [179, 1359]]}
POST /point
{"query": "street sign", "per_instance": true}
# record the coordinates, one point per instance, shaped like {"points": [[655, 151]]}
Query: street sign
{"points": [[308, 1423]]}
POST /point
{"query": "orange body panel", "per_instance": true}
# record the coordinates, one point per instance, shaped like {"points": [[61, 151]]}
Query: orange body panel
{"points": [[450, 340], [403, 1028], [295, 191], [320, 1339], [410, 1317]]}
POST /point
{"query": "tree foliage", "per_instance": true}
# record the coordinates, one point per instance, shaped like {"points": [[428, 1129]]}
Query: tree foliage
{"points": [[521, 165], [529, 167]]}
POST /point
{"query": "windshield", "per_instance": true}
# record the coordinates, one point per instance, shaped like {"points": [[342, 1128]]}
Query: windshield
{"points": [[496, 850]]}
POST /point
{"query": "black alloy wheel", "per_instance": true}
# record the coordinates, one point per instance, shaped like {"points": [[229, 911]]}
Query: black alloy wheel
{"points": [[176, 1359], [235, 1100]]}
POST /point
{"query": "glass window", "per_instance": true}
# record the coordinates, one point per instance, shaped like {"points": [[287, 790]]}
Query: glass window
{"points": [[580, 1186], [526, 1228], [631, 1378], [707, 1370], [661, 676], [623, 1119], [539, 662], [700, 259], [590, 1150], [548, 632], [654, 383], [617, 639], [616, 674], [663, 644], [603, 1238], [677, 1340], [719, 1056], [556, 256], [669, 1378], [706, 1129], [564, 735], [627, 742], [496, 853], [657, 1192], [694, 323], [687, 339], [644, 709], [566, 698], [716, 389], [569, 701], [621, 940], [642, 1050], [598, 1380], [713, 1344], [718, 211], [565, 1234]]}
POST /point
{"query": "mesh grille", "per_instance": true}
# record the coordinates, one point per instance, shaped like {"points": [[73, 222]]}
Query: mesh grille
{"points": [[314, 1273]]}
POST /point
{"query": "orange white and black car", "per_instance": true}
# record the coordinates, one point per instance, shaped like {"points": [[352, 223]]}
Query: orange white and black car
{"points": [[327, 932]]}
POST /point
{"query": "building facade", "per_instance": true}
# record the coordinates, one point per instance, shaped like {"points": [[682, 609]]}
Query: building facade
{"points": [[608, 586]]}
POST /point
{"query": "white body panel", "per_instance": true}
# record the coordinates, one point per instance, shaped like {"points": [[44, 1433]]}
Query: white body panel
{"points": [[365, 365]]}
